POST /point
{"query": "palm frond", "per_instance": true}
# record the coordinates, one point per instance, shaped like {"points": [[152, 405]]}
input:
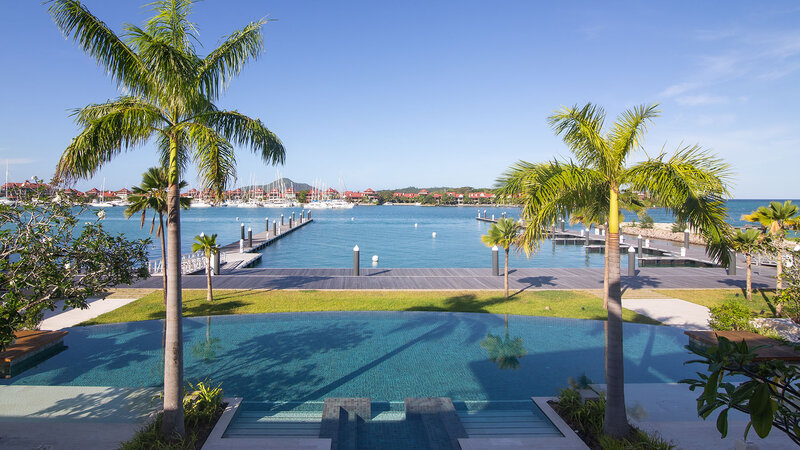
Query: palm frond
{"points": [[581, 130], [227, 60], [242, 130], [214, 157], [171, 23], [100, 42], [625, 136]]}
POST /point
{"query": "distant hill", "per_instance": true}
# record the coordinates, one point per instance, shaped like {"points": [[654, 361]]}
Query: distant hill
{"points": [[285, 181]]}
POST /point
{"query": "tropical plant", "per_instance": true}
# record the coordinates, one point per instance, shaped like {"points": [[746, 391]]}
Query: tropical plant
{"points": [[748, 242], [504, 351], [152, 195], [776, 218], [691, 184], [730, 316], [170, 94], [207, 245], [770, 396], [504, 234], [47, 255], [790, 294]]}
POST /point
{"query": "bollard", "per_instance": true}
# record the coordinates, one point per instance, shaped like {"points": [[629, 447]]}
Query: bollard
{"points": [[292, 216], [308, 216], [249, 237], [479, 214], [631, 261], [356, 262], [587, 236], [241, 245], [683, 251], [582, 232], [281, 219], [732, 265], [639, 244], [274, 228], [242, 236], [266, 222], [495, 261], [563, 224], [484, 213], [686, 238], [621, 239], [492, 216], [215, 263], [290, 223]]}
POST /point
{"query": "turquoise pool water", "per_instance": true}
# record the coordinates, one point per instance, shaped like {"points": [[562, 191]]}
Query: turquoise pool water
{"points": [[386, 356]]}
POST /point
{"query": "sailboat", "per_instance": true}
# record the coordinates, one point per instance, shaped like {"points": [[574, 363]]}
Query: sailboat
{"points": [[5, 200], [102, 203]]}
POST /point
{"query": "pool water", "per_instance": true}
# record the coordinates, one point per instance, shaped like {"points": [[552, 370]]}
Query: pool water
{"points": [[386, 356]]}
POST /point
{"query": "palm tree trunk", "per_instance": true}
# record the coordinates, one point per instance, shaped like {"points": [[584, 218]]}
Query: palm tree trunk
{"points": [[779, 268], [209, 295], [605, 272], [163, 255], [506, 274], [616, 420], [172, 424], [749, 287]]}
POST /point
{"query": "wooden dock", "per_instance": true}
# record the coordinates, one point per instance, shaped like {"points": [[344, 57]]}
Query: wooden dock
{"points": [[236, 259], [29, 347]]}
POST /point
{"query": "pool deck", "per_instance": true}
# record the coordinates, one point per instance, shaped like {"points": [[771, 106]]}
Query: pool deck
{"points": [[468, 279]]}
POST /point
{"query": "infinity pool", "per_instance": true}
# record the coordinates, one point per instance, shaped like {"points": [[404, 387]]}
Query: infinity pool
{"points": [[386, 356]]}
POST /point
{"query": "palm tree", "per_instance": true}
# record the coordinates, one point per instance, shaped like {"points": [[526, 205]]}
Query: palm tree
{"points": [[170, 93], [504, 351], [776, 218], [503, 234], [691, 184], [208, 245], [747, 242], [152, 195]]}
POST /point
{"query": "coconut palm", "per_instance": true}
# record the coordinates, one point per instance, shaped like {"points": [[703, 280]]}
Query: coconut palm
{"points": [[152, 195], [690, 183], [503, 233], [169, 98], [504, 351], [776, 218], [748, 242], [208, 245]]}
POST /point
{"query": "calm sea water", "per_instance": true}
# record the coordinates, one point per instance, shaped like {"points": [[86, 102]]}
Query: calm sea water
{"points": [[386, 231]]}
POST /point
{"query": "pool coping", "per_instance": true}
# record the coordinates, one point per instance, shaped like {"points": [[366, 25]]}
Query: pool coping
{"points": [[569, 439], [215, 441]]}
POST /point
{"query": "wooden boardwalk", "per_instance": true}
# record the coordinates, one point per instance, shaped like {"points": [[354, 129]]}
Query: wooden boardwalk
{"points": [[466, 279], [235, 259]]}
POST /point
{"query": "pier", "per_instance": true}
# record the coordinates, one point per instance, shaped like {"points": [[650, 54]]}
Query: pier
{"points": [[235, 258]]}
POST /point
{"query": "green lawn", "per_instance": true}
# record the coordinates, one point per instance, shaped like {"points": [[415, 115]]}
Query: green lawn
{"points": [[573, 304], [763, 300]]}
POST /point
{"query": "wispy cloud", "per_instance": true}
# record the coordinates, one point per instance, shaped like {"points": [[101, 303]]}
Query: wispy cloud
{"points": [[702, 99]]}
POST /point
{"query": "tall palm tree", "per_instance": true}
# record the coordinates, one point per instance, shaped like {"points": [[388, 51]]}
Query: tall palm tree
{"points": [[208, 245], [170, 93], [503, 233], [505, 352], [691, 184], [747, 242], [776, 218], [152, 195]]}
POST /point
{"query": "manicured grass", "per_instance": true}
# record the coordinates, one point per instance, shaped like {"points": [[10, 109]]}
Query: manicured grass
{"points": [[573, 304], [762, 299]]}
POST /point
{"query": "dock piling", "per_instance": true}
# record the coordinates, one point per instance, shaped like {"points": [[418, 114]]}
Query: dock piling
{"points": [[241, 245], [639, 244], [563, 225], [631, 261], [242, 227], [686, 238], [290, 221], [281, 219], [266, 222], [249, 237], [274, 228], [356, 262]]}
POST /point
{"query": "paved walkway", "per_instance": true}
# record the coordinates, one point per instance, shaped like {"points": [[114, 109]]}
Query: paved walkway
{"points": [[465, 279], [671, 311], [58, 319]]}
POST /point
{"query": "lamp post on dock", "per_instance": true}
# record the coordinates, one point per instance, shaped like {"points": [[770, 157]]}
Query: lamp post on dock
{"points": [[631, 261], [356, 262], [495, 261]]}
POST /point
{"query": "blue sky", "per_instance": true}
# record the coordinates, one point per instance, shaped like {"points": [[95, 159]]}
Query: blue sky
{"points": [[392, 94]]}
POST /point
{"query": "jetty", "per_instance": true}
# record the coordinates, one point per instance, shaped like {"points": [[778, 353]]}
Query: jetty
{"points": [[245, 253]]}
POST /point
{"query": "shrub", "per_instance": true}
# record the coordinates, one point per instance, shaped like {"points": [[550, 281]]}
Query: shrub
{"points": [[678, 227], [647, 221], [730, 316]]}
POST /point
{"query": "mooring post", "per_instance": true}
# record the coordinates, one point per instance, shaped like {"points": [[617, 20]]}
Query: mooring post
{"points": [[563, 225], [281, 219], [492, 217], [308, 216], [290, 222], [495, 261], [292, 216], [241, 245], [242, 229], [587, 236], [356, 267], [274, 228], [732, 265], [249, 237], [686, 238], [266, 224], [631, 261], [639, 244]]}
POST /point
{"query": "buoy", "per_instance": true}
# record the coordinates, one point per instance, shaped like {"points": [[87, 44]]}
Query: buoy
{"points": [[352, 218], [433, 234], [237, 218], [415, 225], [374, 258]]}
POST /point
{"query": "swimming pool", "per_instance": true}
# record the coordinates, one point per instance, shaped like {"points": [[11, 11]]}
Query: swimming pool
{"points": [[386, 356]]}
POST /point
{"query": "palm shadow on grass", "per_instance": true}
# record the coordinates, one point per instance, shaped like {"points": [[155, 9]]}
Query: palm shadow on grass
{"points": [[463, 303]]}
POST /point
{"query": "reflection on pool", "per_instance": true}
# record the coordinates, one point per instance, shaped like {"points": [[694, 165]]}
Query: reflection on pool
{"points": [[386, 356]]}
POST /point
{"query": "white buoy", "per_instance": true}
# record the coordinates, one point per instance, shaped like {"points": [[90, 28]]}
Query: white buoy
{"points": [[433, 234], [352, 219], [375, 258], [237, 218], [415, 225]]}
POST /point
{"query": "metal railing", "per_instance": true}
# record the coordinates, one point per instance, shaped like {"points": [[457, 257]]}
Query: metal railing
{"points": [[190, 263]]}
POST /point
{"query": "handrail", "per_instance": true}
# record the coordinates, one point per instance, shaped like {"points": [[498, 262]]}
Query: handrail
{"points": [[190, 263]]}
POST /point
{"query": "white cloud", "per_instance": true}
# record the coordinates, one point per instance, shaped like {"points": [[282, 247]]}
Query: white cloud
{"points": [[17, 161], [702, 99]]}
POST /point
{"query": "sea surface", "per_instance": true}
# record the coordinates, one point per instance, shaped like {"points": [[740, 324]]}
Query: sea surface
{"points": [[400, 235]]}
